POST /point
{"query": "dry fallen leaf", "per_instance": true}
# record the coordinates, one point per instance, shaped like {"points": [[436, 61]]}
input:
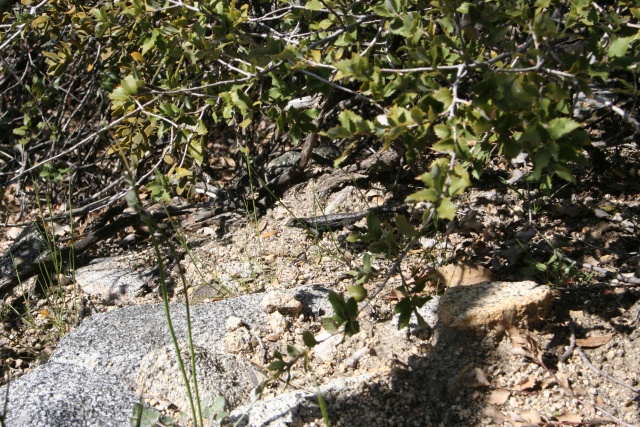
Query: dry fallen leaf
{"points": [[568, 417], [394, 295], [589, 260], [579, 390], [13, 232], [227, 162], [564, 382], [526, 384], [515, 336], [531, 416], [594, 342], [268, 234], [498, 397], [515, 418]]}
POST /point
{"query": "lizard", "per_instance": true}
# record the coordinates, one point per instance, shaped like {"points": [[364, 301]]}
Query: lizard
{"points": [[322, 223]]}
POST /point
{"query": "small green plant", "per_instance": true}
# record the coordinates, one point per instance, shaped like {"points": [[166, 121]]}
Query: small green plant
{"points": [[62, 315], [366, 272], [380, 238], [413, 298], [52, 173], [345, 310], [555, 271], [281, 365], [215, 410], [144, 416]]}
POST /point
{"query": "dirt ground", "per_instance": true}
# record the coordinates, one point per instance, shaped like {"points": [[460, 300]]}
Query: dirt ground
{"points": [[581, 366]]}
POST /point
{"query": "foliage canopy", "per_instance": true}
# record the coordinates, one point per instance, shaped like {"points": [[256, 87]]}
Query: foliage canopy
{"points": [[154, 81]]}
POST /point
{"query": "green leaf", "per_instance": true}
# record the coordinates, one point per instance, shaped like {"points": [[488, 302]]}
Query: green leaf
{"points": [[446, 209], [563, 172], [357, 292], [130, 85], [374, 228], [383, 12], [21, 131], [144, 416], [444, 145], [218, 404], [242, 101], [314, 5], [404, 319], [444, 95], [351, 308], [308, 339], [292, 351], [464, 7], [352, 327], [407, 27], [558, 128], [459, 181], [330, 325], [392, 6], [425, 195], [150, 42], [338, 132], [338, 304], [404, 308], [618, 48], [404, 227], [442, 130], [277, 365]]}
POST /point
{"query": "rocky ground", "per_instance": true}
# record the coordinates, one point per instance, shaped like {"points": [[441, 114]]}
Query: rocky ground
{"points": [[579, 365]]}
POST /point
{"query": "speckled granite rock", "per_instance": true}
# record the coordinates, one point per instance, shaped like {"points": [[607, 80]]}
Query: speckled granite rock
{"points": [[62, 395], [99, 370]]}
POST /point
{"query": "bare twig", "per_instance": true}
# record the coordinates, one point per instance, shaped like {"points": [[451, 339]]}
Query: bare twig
{"points": [[572, 344], [603, 374], [83, 141], [589, 267]]}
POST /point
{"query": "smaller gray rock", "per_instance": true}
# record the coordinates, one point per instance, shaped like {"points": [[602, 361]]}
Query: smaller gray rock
{"points": [[239, 341], [327, 347], [112, 278], [282, 302], [30, 245], [232, 323]]}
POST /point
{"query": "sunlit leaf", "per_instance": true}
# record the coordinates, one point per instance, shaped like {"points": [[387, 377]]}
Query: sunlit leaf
{"points": [[446, 209], [357, 292], [561, 126]]}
